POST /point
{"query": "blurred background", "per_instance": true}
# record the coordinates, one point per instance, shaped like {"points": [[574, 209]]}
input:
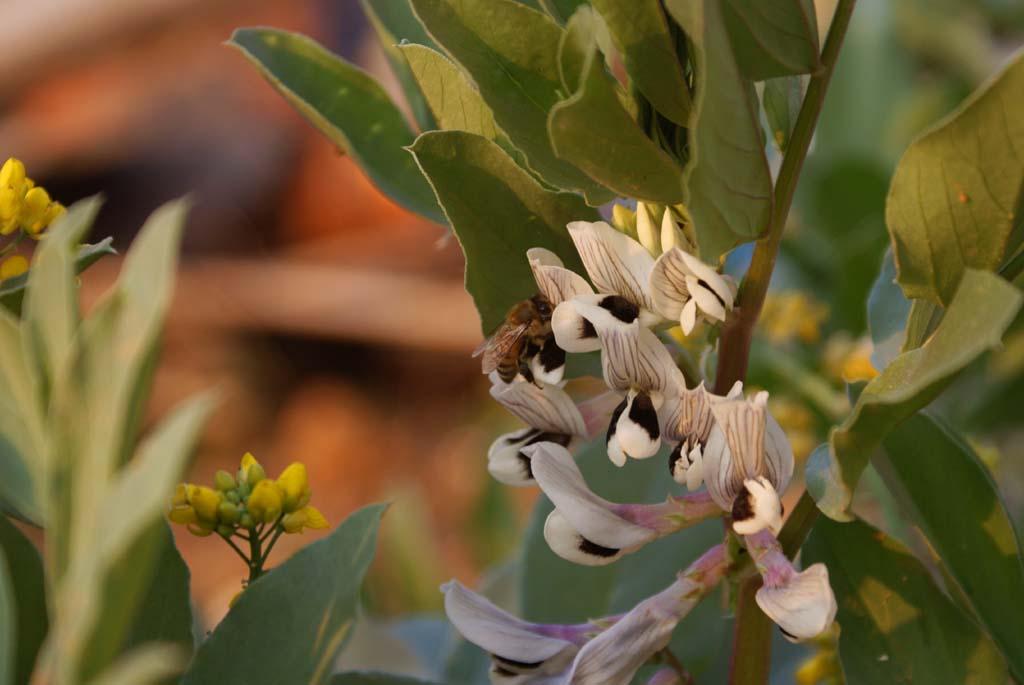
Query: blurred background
{"points": [[335, 324]]}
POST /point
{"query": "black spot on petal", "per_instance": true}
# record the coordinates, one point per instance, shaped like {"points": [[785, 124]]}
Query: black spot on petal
{"points": [[643, 414], [526, 463], [587, 329], [788, 634], [711, 290], [594, 549], [523, 665], [551, 355], [673, 459], [743, 506], [621, 308], [615, 420]]}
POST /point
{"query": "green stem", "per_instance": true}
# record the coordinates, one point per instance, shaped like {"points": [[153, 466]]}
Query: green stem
{"points": [[238, 551], [751, 654], [256, 558], [277, 534]]}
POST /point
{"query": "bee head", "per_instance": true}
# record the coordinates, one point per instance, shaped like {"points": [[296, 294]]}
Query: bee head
{"points": [[543, 306]]}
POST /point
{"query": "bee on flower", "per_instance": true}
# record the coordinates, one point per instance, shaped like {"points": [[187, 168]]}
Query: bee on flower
{"points": [[250, 507]]}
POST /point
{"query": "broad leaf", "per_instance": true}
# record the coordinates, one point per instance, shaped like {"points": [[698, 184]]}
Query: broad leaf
{"points": [[347, 106], [27, 592], [781, 99], [288, 626], [561, 10], [395, 24], [641, 34], [511, 53], [985, 305], [370, 678], [933, 468], [897, 626], [555, 590], [727, 178], [594, 131], [888, 310], [956, 194], [773, 38], [12, 290], [498, 212]]}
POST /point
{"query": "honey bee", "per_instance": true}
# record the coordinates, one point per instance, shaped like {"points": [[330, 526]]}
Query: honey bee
{"points": [[524, 333]]}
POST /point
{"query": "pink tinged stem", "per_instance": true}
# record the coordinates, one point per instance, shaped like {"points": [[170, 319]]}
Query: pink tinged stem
{"points": [[775, 568], [577, 633], [672, 515]]}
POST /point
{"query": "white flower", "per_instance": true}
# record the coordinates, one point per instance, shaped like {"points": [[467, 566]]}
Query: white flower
{"points": [[747, 463], [587, 529], [549, 412], [683, 287], [634, 430], [688, 421]]}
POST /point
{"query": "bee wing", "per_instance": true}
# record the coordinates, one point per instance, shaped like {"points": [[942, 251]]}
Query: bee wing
{"points": [[496, 347]]}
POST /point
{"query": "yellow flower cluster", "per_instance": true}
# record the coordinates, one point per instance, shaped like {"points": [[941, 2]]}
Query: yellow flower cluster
{"points": [[848, 360], [24, 207], [247, 500], [793, 314]]}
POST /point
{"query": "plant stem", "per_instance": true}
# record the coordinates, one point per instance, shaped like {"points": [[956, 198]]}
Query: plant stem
{"points": [[255, 558], [673, 662], [238, 551], [751, 654]]}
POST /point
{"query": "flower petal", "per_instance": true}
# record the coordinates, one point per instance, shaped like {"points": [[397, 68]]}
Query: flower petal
{"points": [[671, 235], [565, 541], [597, 410], [804, 607], [695, 471], [668, 284], [688, 317], [554, 281], [616, 264], [740, 425], [548, 408], [506, 461], [707, 300], [573, 332], [757, 507], [548, 365], [637, 428], [592, 516], [645, 232], [709, 278]]}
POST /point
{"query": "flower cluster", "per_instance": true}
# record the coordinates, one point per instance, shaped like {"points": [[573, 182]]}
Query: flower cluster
{"points": [[25, 208], [250, 506], [728, 450]]}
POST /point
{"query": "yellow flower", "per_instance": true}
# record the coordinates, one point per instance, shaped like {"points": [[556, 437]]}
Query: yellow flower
{"points": [[181, 511], [205, 501], [306, 517], [15, 265], [252, 471], [294, 483], [12, 194], [793, 314], [848, 360], [265, 501]]}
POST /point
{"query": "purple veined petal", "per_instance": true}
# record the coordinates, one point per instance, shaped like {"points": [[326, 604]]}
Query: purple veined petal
{"points": [[616, 264], [804, 607], [669, 293], [708, 301], [554, 281], [548, 408], [735, 448], [566, 541], [508, 464], [708, 278], [573, 332]]}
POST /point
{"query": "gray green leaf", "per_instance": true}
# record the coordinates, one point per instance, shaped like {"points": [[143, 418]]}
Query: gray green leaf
{"points": [[773, 39], [595, 132], [498, 211], [985, 305], [781, 99], [12, 290], [288, 626], [897, 626], [511, 53], [930, 467], [26, 610], [956, 194], [727, 178], [346, 105], [888, 310]]}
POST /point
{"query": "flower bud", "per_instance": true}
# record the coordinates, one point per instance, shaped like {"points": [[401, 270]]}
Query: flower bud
{"points": [[225, 530], [181, 511], [233, 496], [646, 233], [227, 512], [306, 517], [15, 265], [200, 529], [294, 483], [246, 521], [224, 481], [266, 501], [255, 474], [205, 501]]}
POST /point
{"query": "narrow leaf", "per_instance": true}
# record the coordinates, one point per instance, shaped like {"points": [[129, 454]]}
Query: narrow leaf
{"points": [[12, 290], [985, 305], [289, 625], [26, 610], [956, 193], [498, 212], [933, 468], [346, 105], [897, 626]]}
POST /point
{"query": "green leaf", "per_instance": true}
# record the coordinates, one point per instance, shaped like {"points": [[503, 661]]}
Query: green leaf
{"points": [[26, 610], [781, 99], [956, 193], [727, 178], [773, 38], [985, 305], [511, 53], [395, 24], [12, 290], [561, 10], [288, 626], [640, 32], [932, 467], [594, 131], [369, 678], [498, 212], [555, 590], [897, 626], [888, 310], [8, 624], [452, 99], [153, 664], [346, 105]]}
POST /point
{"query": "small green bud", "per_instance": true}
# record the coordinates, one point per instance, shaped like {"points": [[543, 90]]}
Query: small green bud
{"points": [[224, 481], [243, 490], [246, 521], [227, 512], [256, 474], [225, 531], [233, 496]]}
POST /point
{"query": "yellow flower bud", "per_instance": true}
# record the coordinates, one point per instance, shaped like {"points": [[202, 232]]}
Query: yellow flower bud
{"points": [[306, 517], [646, 232], [37, 202], [624, 220], [12, 174], [248, 460], [266, 501], [15, 265], [255, 474], [201, 530], [181, 511], [205, 501], [224, 481], [294, 484]]}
